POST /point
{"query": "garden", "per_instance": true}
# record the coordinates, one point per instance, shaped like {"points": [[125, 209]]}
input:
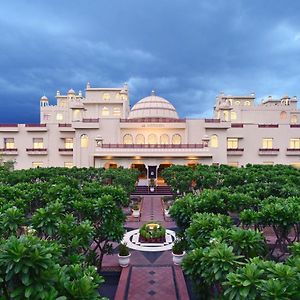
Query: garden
{"points": [[56, 225], [240, 228]]}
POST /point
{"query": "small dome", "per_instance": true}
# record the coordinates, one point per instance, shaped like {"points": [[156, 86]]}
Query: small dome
{"points": [[153, 107], [44, 98], [71, 92]]}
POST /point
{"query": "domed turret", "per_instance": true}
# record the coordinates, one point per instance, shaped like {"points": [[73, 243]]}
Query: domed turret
{"points": [[44, 101], [153, 107], [71, 92]]}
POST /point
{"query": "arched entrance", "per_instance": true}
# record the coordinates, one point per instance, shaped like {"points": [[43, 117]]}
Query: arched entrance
{"points": [[142, 169], [110, 165]]}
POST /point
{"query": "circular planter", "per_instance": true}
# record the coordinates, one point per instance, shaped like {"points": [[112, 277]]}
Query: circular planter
{"points": [[177, 258], [136, 213], [124, 260]]}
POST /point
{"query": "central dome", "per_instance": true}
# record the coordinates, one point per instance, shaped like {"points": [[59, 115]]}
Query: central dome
{"points": [[153, 107]]}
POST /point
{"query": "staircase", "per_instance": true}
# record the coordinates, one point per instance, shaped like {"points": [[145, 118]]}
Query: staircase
{"points": [[159, 190]]}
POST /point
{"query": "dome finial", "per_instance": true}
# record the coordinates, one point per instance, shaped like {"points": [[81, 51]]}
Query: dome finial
{"points": [[152, 93]]}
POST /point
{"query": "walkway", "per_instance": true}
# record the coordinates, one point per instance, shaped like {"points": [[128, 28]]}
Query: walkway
{"points": [[151, 275]]}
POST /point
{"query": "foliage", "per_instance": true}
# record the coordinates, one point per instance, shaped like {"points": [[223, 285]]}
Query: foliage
{"points": [[123, 250], [179, 246], [152, 230]]}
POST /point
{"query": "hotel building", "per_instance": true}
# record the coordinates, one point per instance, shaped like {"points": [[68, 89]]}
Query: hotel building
{"points": [[99, 129]]}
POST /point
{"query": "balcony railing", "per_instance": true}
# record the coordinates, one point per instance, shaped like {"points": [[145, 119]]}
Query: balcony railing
{"points": [[64, 125], [65, 149], [154, 146], [237, 125], [212, 120], [292, 151], [8, 151], [235, 149], [8, 125], [35, 125], [268, 125], [294, 125], [153, 120], [35, 150], [90, 120], [269, 149]]}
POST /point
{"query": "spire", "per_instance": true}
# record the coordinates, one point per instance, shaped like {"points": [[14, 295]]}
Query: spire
{"points": [[153, 93]]}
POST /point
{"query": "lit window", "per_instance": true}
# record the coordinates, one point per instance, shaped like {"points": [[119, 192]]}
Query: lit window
{"points": [[237, 102], [76, 114], [152, 139], [295, 143], [218, 114], [267, 143], [37, 164], [68, 165], [106, 96], [247, 103], [233, 115], [164, 139], [105, 112], [214, 141], [117, 111], [127, 139], [176, 139], [294, 119], [38, 143], [123, 97], [68, 143], [232, 143], [9, 143], [229, 101], [225, 114], [283, 115], [59, 117], [62, 103], [140, 139], [84, 141]]}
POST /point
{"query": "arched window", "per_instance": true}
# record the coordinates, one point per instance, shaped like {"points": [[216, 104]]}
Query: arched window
{"points": [[140, 139], [106, 96], [247, 103], [152, 139], [176, 139], [285, 101], [233, 115], [84, 141], [237, 102], [127, 139], [294, 119], [76, 114], [229, 101], [59, 117], [214, 141], [226, 115], [283, 115], [164, 139], [105, 112]]}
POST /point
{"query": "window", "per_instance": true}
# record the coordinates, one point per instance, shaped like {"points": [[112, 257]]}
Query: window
{"points": [[76, 114], [106, 96], [176, 139], [226, 115], [105, 112], [37, 164], [62, 103], [229, 101], [46, 117], [214, 141], [140, 139], [152, 139], [233, 115], [117, 111], [84, 141], [38, 143], [123, 97], [68, 143], [283, 115], [9, 143], [247, 103], [267, 143], [294, 119], [68, 164], [237, 102], [127, 139], [295, 143], [232, 143], [164, 139], [59, 117]]}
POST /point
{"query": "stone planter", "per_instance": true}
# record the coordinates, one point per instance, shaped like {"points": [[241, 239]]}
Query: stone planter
{"points": [[177, 258], [124, 260], [136, 213]]}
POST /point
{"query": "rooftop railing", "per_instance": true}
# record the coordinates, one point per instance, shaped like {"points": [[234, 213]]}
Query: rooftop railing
{"points": [[153, 120], [268, 125], [35, 125], [8, 125], [95, 120], [64, 125], [154, 146], [212, 120]]}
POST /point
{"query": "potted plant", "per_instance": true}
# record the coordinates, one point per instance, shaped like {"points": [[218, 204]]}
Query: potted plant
{"points": [[152, 185], [178, 252], [124, 256], [135, 211]]}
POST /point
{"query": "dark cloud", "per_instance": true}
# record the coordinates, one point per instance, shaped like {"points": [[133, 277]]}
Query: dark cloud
{"points": [[186, 50]]}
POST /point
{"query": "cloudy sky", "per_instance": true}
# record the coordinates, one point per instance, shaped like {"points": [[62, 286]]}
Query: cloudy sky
{"points": [[187, 51]]}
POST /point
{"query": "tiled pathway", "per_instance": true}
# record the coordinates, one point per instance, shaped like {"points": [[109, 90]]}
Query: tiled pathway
{"points": [[151, 276]]}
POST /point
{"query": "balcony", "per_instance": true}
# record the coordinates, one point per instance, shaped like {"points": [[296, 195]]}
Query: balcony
{"points": [[216, 123], [268, 125], [237, 125], [37, 151], [153, 120], [9, 127], [293, 151], [86, 123], [235, 151], [6, 151], [155, 150], [268, 151], [65, 151], [36, 127], [64, 127], [294, 125]]}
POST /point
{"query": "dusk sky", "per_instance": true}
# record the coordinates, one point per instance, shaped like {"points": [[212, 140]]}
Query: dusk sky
{"points": [[187, 51]]}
